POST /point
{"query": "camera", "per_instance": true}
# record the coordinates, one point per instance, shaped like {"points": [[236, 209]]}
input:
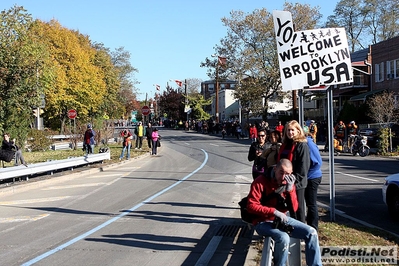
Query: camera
{"points": [[278, 224]]}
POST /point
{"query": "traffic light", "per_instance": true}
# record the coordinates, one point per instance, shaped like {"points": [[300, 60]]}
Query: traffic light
{"points": [[37, 112]]}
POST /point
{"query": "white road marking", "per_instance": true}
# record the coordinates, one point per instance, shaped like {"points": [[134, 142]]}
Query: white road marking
{"points": [[110, 221], [75, 186], [214, 144], [359, 177], [16, 202], [22, 218], [209, 251], [244, 178]]}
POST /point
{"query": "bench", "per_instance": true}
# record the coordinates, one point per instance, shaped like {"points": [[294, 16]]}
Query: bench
{"points": [[294, 257], [21, 171]]}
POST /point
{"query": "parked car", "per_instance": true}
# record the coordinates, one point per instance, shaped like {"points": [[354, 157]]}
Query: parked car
{"points": [[372, 136], [390, 195]]}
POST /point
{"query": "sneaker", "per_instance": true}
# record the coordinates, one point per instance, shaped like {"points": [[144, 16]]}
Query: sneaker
{"points": [[135, 148], [120, 159], [140, 148]]}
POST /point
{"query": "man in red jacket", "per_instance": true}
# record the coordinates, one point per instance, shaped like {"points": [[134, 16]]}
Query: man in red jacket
{"points": [[277, 188]]}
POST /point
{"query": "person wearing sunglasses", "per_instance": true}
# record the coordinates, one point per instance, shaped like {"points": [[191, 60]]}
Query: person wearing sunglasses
{"points": [[256, 150]]}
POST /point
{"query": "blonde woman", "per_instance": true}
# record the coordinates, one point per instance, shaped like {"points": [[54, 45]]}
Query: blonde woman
{"points": [[295, 148]]}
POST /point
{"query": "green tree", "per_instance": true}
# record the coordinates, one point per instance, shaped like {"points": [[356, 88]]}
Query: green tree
{"points": [[127, 94], [197, 103], [78, 83], [251, 52], [171, 102], [21, 62], [110, 106]]}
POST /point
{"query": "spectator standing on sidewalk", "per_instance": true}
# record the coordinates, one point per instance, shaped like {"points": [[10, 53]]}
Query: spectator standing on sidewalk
{"points": [[280, 129], [255, 153], [89, 139], [296, 150], [155, 141], [127, 143], [139, 132], [253, 132], [314, 180], [313, 130], [148, 134]]}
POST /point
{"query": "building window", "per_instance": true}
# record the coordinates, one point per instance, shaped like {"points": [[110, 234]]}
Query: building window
{"points": [[222, 86], [379, 72], [390, 70], [397, 68]]}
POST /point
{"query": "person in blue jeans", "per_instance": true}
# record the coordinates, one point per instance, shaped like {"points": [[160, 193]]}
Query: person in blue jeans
{"points": [[277, 186], [314, 180], [127, 144], [89, 140], [155, 138]]}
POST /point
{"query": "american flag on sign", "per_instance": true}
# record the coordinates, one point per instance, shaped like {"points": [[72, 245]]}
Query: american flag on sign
{"points": [[179, 82], [222, 60]]}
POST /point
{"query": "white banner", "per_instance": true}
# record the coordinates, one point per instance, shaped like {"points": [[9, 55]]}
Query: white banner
{"points": [[311, 58]]}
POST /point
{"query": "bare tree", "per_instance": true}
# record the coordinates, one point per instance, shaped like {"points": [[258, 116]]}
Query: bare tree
{"points": [[251, 52], [383, 108]]}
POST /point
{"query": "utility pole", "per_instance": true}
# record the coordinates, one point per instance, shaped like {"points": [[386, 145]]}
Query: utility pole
{"points": [[217, 93], [186, 100]]}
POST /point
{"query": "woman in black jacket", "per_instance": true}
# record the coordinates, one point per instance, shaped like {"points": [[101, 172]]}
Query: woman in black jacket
{"points": [[255, 153], [9, 149], [295, 148]]}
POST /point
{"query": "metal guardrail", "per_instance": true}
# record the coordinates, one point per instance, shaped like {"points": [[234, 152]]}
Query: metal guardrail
{"points": [[51, 166]]}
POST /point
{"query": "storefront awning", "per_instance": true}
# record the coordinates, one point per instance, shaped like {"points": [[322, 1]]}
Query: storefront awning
{"points": [[364, 96]]}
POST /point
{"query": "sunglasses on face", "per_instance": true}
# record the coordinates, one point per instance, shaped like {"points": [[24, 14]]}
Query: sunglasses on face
{"points": [[262, 136]]}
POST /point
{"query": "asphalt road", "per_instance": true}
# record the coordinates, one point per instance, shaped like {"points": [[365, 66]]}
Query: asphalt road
{"points": [[176, 208], [358, 183]]}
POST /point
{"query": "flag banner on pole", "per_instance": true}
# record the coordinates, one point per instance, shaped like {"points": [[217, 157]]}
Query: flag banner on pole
{"points": [[157, 87], [179, 82], [222, 60]]}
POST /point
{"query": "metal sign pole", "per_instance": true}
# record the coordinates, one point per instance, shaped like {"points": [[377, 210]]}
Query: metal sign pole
{"points": [[331, 151], [300, 108]]}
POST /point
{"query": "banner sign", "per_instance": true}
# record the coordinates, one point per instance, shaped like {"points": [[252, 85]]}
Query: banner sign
{"points": [[311, 58]]}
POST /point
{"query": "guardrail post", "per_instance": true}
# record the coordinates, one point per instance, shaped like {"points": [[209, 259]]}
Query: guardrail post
{"points": [[294, 256], [267, 252]]}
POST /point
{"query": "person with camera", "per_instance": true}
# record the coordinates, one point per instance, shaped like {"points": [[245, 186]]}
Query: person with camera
{"points": [[256, 150], [9, 150], [272, 196], [127, 143]]}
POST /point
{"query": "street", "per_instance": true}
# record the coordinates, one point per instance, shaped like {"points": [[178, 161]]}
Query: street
{"points": [[177, 208]]}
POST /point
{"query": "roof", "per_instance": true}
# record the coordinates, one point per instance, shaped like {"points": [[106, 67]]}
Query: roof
{"points": [[359, 56], [363, 96]]}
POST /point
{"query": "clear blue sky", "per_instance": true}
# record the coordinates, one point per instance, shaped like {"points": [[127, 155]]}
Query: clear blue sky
{"points": [[167, 39]]}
